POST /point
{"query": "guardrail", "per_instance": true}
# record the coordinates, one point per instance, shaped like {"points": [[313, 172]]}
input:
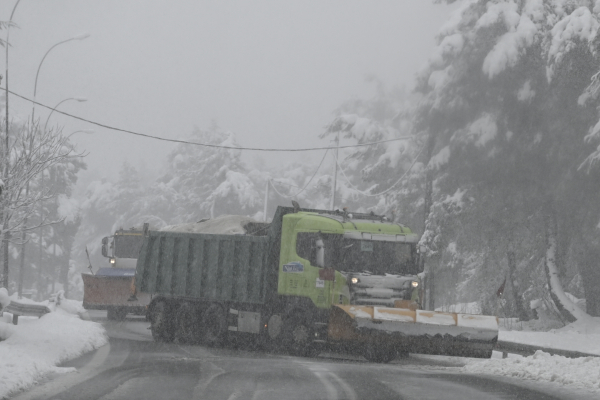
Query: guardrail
{"points": [[31, 310], [528, 350]]}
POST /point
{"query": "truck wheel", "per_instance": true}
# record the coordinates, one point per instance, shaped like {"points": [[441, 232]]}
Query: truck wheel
{"points": [[161, 322], [214, 325], [298, 337], [186, 321]]}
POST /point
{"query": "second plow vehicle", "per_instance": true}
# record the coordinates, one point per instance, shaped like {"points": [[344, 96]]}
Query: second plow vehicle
{"points": [[310, 280]]}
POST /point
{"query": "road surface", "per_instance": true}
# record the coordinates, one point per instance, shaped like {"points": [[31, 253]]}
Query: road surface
{"points": [[132, 367]]}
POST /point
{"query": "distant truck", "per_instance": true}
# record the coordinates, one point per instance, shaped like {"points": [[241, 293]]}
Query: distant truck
{"points": [[111, 288], [309, 280]]}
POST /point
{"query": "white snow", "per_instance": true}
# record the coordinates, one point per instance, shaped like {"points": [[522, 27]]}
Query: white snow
{"points": [[225, 224], [440, 158], [525, 93], [575, 372], [581, 24], [33, 348]]}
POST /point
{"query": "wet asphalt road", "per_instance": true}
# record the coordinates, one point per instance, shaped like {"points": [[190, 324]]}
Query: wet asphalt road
{"points": [[132, 367]]}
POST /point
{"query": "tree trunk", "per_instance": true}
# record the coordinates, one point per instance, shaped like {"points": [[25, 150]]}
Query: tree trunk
{"points": [[5, 241], [589, 270], [567, 308], [514, 286]]}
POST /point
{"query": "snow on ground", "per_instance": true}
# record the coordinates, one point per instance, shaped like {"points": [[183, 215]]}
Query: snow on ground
{"points": [[33, 348], [581, 336], [583, 372]]}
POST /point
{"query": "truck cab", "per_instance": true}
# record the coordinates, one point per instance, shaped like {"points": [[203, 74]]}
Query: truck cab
{"points": [[343, 259], [122, 249]]}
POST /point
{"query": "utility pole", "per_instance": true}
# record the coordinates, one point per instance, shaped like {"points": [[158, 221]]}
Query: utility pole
{"points": [[3, 201], [335, 168]]}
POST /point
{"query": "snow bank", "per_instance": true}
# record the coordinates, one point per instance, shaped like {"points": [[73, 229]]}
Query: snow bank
{"points": [[225, 224], [4, 299], [579, 372], [35, 347], [581, 336]]}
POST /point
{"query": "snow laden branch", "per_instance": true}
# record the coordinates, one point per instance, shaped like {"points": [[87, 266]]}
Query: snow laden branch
{"points": [[32, 152]]}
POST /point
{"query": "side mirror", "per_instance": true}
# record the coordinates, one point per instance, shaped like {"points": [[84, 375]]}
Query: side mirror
{"points": [[320, 253], [105, 246]]}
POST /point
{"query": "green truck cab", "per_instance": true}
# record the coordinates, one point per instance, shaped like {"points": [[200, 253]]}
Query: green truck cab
{"points": [[320, 253]]}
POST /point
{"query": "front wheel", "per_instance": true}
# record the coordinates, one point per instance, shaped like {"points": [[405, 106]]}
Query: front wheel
{"points": [[298, 337]]}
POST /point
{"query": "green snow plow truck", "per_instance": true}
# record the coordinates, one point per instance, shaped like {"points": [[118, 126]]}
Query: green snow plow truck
{"points": [[309, 280]]}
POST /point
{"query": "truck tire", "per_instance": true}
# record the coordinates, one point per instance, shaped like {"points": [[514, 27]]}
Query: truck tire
{"points": [[161, 322], [214, 325], [187, 324], [298, 336]]}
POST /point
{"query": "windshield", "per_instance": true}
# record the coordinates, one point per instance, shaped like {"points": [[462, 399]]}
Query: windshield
{"points": [[352, 255], [127, 246]]}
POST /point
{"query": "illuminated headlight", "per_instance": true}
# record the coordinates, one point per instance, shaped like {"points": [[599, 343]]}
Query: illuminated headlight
{"points": [[354, 280], [112, 261], [414, 284]]}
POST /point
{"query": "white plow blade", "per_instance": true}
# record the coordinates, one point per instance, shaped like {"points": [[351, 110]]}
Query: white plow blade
{"points": [[428, 323]]}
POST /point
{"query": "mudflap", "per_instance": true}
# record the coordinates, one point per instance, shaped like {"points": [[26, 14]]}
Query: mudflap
{"points": [[408, 331]]}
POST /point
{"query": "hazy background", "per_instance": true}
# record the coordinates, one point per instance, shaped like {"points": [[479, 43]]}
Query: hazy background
{"points": [[270, 71]]}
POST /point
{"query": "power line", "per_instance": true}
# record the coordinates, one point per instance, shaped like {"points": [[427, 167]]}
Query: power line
{"points": [[305, 186], [388, 189], [202, 144]]}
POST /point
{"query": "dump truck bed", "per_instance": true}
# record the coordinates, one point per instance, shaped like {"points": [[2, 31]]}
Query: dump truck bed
{"points": [[205, 266]]}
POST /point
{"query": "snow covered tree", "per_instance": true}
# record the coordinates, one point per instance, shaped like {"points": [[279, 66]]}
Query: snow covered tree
{"points": [[378, 177], [211, 181], [506, 125], [31, 153]]}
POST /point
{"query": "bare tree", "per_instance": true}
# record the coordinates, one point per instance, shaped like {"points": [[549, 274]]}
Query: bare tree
{"points": [[30, 153]]}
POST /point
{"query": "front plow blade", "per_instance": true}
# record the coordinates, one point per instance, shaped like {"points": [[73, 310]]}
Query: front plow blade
{"points": [[103, 291], [419, 331]]}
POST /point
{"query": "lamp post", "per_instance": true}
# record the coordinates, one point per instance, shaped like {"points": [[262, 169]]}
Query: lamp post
{"points": [[37, 74], [4, 222], [79, 99]]}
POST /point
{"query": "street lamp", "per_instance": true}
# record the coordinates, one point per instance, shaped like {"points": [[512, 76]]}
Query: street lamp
{"points": [[79, 99], [78, 37], [37, 74], [6, 236]]}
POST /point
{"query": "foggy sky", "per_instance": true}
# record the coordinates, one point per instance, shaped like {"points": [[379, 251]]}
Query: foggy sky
{"points": [[270, 71]]}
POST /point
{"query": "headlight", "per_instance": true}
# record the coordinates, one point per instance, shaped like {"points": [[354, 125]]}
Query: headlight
{"points": [[354, 280], [112, 261], [414, 284]]}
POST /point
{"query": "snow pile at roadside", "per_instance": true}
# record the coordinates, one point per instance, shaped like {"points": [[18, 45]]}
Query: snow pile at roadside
{"points": [[583, 372], [34, 347], [582, 336]]}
